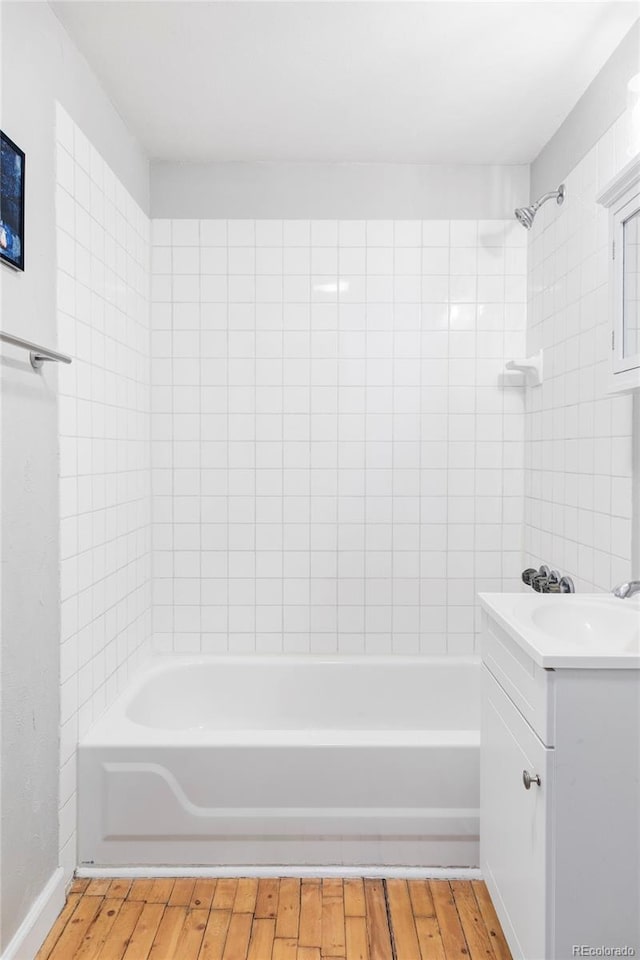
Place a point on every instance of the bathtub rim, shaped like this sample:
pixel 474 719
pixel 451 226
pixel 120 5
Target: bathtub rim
pixel 114 728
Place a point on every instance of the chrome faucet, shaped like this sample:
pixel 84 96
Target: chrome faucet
pixel 546 580
pixel 626 590
pixel 540 581
pixel 565 585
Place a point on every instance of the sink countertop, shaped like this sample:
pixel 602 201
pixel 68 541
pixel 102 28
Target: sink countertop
pixel 578 630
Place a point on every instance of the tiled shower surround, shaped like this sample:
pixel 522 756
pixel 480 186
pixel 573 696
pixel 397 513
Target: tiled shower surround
pixel 579 437
pixel 103 323
pixel 337 455
pixel 311 445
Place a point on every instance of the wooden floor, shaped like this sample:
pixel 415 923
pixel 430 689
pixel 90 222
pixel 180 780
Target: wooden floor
pixel 249 919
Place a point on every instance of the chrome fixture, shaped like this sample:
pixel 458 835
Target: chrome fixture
pixel 628 589
pixel 540 582
pixel 566 585
pixel 546 580
pixel 526 215
pixel 529 778
pixel 37 355
pixel 537 579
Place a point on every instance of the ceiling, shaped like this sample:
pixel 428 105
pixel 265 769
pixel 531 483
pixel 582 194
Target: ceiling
pixel 424 82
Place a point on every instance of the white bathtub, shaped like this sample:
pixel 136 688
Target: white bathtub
pixel 285 761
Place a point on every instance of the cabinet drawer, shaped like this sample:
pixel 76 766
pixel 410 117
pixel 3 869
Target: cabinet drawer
pixel 530 687
pixel 514 823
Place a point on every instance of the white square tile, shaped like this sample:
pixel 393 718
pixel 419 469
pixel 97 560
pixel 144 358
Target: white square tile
pixel 352 233
pixel 380 233
pixel 185 233
pixel 296 233
pixel 324 233
pixel 269 233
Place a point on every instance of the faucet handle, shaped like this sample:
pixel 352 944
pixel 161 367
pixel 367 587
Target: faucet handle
pixel 546 580
pixel 628 589
pixel 553 582
pixel 540 584
pixel 536 579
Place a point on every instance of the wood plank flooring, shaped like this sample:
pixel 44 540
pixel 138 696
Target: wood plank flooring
pixel 288 919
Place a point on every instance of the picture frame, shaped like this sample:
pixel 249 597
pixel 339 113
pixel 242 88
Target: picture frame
pixel 12 180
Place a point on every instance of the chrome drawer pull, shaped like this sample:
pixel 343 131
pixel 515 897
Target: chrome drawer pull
pixel 528 779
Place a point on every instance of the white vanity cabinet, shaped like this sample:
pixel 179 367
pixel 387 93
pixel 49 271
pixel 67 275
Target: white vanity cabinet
pixel 515 821
pixel 562 858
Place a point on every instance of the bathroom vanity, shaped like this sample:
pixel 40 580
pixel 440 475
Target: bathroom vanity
pixel 560 772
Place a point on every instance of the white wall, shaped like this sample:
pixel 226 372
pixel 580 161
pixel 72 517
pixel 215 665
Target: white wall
pixel 39 64
pixel 336 463
pixel 340 190
pixel 601 105
pixel 104 426
pixel 578 508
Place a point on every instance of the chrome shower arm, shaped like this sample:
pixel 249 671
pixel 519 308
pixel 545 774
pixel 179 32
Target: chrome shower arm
pixel 526 215
pixel 557 195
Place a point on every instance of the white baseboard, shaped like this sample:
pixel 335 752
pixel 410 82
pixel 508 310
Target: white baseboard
pixel 31 933
pixel 390 873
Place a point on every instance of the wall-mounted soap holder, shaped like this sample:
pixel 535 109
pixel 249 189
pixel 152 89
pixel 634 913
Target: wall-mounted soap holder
pixel 531 367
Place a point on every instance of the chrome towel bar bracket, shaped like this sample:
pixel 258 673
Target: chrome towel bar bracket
pixel 37 354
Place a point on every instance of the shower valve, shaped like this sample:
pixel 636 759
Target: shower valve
pixel 546 580
pixel 540 584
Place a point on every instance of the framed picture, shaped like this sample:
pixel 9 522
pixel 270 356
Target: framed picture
pixel 11 203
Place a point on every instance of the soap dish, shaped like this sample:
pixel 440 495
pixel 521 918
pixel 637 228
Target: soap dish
pixel 530 366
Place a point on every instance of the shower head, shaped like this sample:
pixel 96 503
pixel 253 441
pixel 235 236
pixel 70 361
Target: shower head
pixel 526 215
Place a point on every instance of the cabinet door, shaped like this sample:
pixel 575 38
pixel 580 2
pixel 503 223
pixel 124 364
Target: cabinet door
pixel 514 822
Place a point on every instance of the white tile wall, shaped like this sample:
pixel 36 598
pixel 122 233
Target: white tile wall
pixel 579 449
pixel 337 465
pixel 104 418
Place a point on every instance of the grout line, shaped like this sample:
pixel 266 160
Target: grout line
pixel 201 598
pixel 310 325
pixel 228 469
pixel 283 441
pixel 336 630
pixel 447 440
pixel 419 624
pixel 254 308
pixel 393 442
pixel 365 390
pixel 337 440
pixel 171 378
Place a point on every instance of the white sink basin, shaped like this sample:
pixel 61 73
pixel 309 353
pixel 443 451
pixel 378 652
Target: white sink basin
pixel 590 631
pixel 590 625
